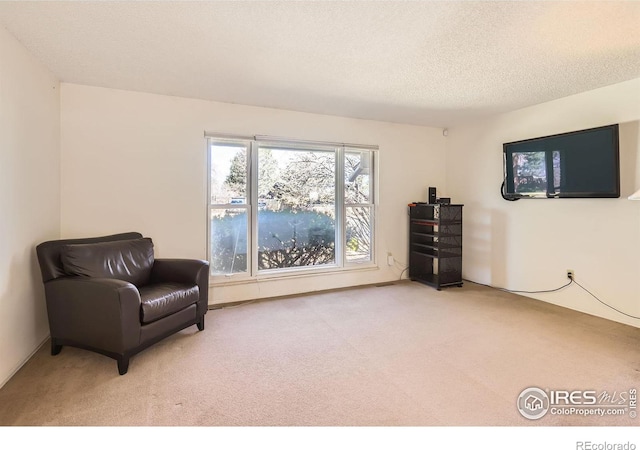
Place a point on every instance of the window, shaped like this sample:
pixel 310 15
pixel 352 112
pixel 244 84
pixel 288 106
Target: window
pixel 284 206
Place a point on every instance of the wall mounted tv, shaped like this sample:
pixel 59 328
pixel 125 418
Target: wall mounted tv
pixel 579 164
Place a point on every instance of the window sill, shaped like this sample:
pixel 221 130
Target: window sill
pixel 233 280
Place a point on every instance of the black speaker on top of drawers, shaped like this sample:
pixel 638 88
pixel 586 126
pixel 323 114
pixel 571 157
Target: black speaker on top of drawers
pixel 432 196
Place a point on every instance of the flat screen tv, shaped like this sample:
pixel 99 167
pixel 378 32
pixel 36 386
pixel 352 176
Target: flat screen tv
pixel 579 164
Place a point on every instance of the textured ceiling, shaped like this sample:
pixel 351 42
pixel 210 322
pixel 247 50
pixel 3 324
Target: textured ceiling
pixel 430 63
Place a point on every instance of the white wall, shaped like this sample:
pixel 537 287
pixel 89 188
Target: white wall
pixel 135 161
pixel 29 197
pixel 529 244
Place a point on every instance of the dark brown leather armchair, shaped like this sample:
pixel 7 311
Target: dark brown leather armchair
pixel 110 295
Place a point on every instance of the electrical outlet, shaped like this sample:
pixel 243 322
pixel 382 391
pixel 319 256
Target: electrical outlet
pixel 390 259
pixel 570 274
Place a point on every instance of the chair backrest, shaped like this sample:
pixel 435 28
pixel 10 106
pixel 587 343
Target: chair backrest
pixel 49 252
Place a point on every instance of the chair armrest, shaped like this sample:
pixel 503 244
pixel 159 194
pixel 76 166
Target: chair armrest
pixel 98 312
pixel 188 271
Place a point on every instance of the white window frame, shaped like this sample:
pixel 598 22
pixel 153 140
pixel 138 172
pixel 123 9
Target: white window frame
pixel 371 204
pixel 252 144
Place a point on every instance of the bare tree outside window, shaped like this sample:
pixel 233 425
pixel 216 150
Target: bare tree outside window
pixel 296 227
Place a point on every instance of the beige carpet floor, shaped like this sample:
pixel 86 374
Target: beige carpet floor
pixel 394 355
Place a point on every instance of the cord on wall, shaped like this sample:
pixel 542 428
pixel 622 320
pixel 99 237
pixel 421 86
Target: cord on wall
pixel 608 306
pixel 504 196
pixel 403 271
pixel 571 281
pixel 522 292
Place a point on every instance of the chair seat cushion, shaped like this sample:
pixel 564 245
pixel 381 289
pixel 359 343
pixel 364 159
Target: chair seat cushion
pixel 162 299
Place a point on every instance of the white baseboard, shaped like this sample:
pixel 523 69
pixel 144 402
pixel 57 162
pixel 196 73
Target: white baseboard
pixel 24 361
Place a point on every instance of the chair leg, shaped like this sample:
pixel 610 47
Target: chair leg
pixel 201 324
pixel 55 348
pixel 123 364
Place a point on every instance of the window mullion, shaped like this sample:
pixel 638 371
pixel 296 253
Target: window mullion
pixel 253 206
pixel 340 209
